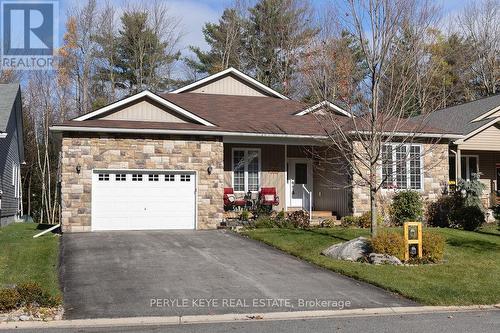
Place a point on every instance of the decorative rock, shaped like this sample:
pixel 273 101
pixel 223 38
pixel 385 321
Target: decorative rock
pixel 378 259
pixel 352 250
pixel 24 318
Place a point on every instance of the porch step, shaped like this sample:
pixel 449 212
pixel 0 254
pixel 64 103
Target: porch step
pixel 322 213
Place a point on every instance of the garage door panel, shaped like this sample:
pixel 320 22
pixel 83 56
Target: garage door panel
pixel 159 201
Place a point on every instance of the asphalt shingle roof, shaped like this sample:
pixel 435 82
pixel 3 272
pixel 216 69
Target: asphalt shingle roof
pixel 8 93
pixel 458 119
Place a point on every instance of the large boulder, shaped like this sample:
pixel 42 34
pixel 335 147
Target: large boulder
pixel 352 250
pixel 379 259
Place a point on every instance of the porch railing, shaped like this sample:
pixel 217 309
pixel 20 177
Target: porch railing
pixel 307 201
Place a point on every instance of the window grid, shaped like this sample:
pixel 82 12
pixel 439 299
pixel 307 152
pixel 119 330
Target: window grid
pixel 387 164
pixel 153 177
pixel 103 177
pixel 185 178
pixel 401 170
pixel 121 177
pixel 253 170
pixel 415 168
pixel 136 177
pixel 239 170
pixel 246 168
pixel 169 178
pixel 402 167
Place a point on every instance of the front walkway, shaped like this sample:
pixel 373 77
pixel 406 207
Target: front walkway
pixel 120 274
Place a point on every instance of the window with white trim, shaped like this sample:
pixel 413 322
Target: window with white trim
pixel 402 166
pixel 137 177
pixel 153 177
pixel 185 178
pixel 169 178
pixel 246 169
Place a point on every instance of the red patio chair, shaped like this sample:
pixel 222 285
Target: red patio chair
pixel 230 200
pixel 268 196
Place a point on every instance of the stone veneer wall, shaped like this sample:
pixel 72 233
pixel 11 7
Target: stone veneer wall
pixel 436 175
pixel 138 152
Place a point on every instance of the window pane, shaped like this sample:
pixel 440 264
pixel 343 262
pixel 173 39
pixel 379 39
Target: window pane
pixel 463 166
pixel 253 170
pixel 472 166
pixel 387 170
pixel 239 170
pixel 401 172
pixel 415 172
pixel 300 173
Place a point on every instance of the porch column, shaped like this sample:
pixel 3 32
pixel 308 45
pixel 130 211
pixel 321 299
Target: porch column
pixel 458 165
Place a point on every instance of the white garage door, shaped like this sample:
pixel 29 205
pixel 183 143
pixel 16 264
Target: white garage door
pixel 145 200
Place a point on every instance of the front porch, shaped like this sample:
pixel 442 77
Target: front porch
pixel 300 177
pixel 484 162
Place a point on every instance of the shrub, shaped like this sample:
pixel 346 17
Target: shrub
pixel 391 243
pixel 406 206
pixel 9 299
pixel 31 293
pixel 264 221
pixel 496 213
pixel 299 219
pixel 439 212
pixel 245 215
pixel 471 191
pixel 349 221
pixel 468 218
pixel 432 247
pixel 365 220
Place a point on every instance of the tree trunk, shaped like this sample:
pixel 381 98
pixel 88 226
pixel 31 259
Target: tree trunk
pixel 373 210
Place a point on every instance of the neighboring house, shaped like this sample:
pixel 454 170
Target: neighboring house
pixel 478 150
pixel 162 161
pixel 11 152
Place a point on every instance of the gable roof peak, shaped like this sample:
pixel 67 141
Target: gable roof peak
pixel 139 96
pixel 231 70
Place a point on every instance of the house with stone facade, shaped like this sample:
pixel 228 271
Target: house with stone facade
pixel 477 150
pixel 162 161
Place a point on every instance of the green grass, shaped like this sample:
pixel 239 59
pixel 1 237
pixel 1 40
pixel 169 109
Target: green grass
pixel 469 275
pixel 24 258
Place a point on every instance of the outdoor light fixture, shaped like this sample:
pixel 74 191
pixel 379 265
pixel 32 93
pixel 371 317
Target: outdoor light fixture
pixel 209 169
pixel 78 168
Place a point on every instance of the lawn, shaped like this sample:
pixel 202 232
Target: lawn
pixel 469 275
pixel 24 258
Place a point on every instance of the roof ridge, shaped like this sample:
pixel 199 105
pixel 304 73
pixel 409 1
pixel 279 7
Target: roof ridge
pixel 468 102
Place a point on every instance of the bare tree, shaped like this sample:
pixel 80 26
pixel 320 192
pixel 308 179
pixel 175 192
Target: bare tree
pixel 480 24
pixel 42 107
pixel 390 35
pixel 77 56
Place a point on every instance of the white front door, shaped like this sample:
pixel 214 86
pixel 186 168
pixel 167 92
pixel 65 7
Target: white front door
pixel 143 200
pixel 299 175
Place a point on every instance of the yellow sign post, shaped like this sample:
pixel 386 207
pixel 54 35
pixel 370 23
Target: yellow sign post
pixel 413 239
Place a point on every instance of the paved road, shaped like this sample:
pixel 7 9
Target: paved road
pixel 127 274
pixel 473 322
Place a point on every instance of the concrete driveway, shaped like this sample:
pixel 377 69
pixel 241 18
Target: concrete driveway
pixel 163 273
